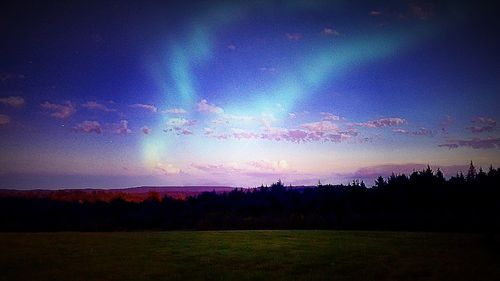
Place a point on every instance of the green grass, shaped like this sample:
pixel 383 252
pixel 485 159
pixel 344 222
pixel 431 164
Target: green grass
pixel 248 255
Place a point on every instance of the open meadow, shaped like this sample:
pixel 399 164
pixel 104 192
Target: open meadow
pixel 249 255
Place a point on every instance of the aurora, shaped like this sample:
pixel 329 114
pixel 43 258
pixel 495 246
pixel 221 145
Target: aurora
pixel 244 93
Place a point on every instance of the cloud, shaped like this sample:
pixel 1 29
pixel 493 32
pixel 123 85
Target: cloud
pixel 320 127
pixel 267 120
pixel 328 31
pixel 148 107
pixel 239 118
pixel 175 111
pixel 89 127
pixel 167 169
pixel 180 122
pixel 146 130
pixel 210 132
pixel 231 47
pixel 178 125
pixel 204 106
pixel 293 36
pixel 484 121
pixel 271 70
pixel 4 119
pixel 480 129
pixel 60 111
pixel 420 132
pixel 475 143
pixel 14 101
pixel 375 13
pixel 123 128
pixel 382 122
pixel 242 134
pixel 92 105
pixel 330 117
pixel 270 166
pixel 229 168
pixel 483 124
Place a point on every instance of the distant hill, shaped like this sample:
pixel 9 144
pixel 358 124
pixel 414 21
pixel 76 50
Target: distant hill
pixel 133 194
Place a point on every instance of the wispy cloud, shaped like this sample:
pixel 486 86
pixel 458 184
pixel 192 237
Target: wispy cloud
pixel 122 128
pixel 382 122
pixel 180 122
pixel 485 121
pixel 483 124
pixel 89 127
pixel 242 134
pixel 4 119
pixel 328 31
pixel 218 168
pixel 146 130
pixel 175 111
pixel 180 126
pixel 475 143
pixel 375 13
pixel 329 116
pixel 167 169
pixel 293 36
pixel 419 132
pixel 60 111
pixel 92 105
pixel 148 107
pixel 480 129
pixel 266 165
pixel 14 101
pixel 204 106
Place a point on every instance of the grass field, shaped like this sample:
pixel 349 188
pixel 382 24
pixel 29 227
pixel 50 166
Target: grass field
pixel 248 255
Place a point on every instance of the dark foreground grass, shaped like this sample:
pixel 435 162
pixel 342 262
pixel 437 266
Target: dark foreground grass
pixel 248 255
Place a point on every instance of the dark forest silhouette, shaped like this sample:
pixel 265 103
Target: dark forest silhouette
pixel 423 201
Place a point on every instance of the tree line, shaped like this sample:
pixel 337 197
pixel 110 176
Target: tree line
pixel 422 201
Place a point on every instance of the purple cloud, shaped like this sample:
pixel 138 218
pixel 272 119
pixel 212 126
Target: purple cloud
pixel 148 107
pixel 382 122
pixel 217 168
pixel 475 143
pixel 14 101
pixel 167 169
pixel 89 127
pixel 204 106
pixel 122 128
pixel 60 111
pixel 146 130
pixel 92 105
pixel 485 121
pixel 179 126
pixel 484 124
pixel 4 119
pixel 242 134
pixel 480 129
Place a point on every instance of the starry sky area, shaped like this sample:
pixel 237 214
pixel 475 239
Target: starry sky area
pixel 115 93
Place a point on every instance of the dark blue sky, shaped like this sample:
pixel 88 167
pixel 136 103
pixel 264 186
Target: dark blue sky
pixel 203 92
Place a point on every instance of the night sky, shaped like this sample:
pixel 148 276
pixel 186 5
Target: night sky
pixel 242 93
